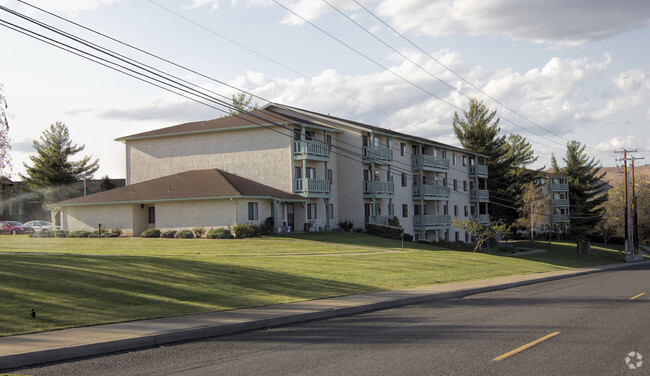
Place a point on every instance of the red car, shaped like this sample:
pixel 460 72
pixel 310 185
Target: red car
pixel 13 228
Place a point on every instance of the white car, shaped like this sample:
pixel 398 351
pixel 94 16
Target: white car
pixel 39 226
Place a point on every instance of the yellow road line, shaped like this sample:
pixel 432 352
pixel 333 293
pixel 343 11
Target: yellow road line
pixel 526 346
pixel 636 296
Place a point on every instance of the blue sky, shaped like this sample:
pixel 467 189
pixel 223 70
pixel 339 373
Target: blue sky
pixel 576 69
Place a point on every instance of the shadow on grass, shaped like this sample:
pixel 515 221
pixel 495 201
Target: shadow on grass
pixel 71 291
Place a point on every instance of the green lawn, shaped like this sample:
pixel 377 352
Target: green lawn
pixel 78 282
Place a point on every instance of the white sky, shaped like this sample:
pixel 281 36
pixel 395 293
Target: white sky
pixel 578 69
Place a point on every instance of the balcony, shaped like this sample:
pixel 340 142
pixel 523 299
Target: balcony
pixel 430 192
pixel 559 187
pixel 479 195
pixel 429 163
pixel 478 171
pixel 311 150
pixel 431 222
pixel 378 189
pixel 379 219
pixel 315 188
pixel 481 218
pixel 377 154
pixel 561 218
pixel 560 202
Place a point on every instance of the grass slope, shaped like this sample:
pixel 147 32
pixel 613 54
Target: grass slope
pixel 79 282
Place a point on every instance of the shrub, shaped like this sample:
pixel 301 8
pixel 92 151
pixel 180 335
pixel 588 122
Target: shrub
pixel 79 234
pixel 346 225
pixel 99 233
pixel 385 231
pixel 199 231
pixel 150 233
pixel 242 231
pixel 42 234
pixel 360 230
pixel 184 234
pixel 116 231
pixel 393 221
pixel 168 234
pixel 219 233
pixel 408 237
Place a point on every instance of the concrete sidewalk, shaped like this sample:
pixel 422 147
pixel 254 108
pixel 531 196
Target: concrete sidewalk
pixel 30 349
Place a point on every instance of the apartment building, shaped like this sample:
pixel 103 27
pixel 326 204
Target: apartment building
pixel 315 170
pixel 556 186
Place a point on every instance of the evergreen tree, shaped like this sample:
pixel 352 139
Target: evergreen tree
pixel 242 104
pixel 587 190
pixel 52 171
pixel 106 184
pixel 478 131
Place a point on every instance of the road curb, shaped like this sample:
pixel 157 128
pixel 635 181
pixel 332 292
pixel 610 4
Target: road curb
pixel 279 315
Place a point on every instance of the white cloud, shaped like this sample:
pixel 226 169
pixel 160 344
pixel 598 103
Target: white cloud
pixel 71 7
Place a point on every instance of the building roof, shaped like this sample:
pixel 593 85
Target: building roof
pixel 267 116
pixel 255 118
pixel 188 185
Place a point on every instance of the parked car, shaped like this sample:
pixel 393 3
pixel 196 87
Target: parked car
pixel 13 228
pixel 39 226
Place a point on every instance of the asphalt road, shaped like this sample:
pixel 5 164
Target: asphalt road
pixel 592 322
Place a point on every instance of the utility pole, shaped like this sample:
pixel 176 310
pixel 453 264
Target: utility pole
pixel 631 235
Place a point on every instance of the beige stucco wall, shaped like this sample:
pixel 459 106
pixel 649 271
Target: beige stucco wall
pixel 256 153
pixel 88 217
pixel 349 180
pixel 200 213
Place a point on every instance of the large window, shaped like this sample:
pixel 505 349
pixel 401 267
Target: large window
pixel 404 179
pixel 311 211
pixel 405 210
pixel 402 149
pixel 253 214
pixel 311 173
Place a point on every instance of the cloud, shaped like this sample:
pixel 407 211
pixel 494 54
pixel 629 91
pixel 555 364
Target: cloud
pixel 24 146
pixel 71 7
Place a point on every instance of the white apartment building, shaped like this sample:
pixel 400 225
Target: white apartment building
pixel 556 186
pixel 310 172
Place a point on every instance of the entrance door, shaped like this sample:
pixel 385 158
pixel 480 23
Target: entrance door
pixel 290 217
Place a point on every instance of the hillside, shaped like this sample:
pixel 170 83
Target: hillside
pixel 615 174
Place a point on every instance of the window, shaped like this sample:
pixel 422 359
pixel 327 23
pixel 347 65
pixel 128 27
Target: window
pixel 389 143
pixel 329 175
pixel 466 211
pixel 416 209
pixel 402 149
pixel 456 236
pixel 455 210
pixel 280 211
pixel 455 185
pixel 311 173
pixel 464 160
pixel 309 135
pixel 151 211
pixel 296 134
pixel 405 210
pixel 298 172
pixel 445 209
pixel 389 176
pixel 252 211
pixel 311 211
pixel 464 185
pixel 453 158
pixel 328 141
pixel 466 238
pixel 404 184
pixel 366 175
pixel 444 154
pixel 331 210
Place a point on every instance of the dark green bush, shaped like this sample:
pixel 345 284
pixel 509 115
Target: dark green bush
pixel 150 233
pixel 79 234
pixel 346 225
pixel 242 231
pixel 168 234
pixel 394 221
pixel 219 233
pixel 184 234
pixel 385 231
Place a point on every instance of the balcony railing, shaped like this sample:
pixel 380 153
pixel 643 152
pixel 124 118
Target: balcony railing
pixel 430 192
pixel 378 189
pixel 429 163
pixel 559 187
pixel 560 202
pixel 312 187
pixel 561 218
pixel 430 222
pixel 379 219
pixel 377 154
pixel 481 218
pixel 479 195
pixel 315 150
pixel 478 171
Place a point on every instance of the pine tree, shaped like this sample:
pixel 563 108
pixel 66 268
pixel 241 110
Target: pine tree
pixel 242 104
pixel 587 190
pixel 478 131
pixel 52 171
